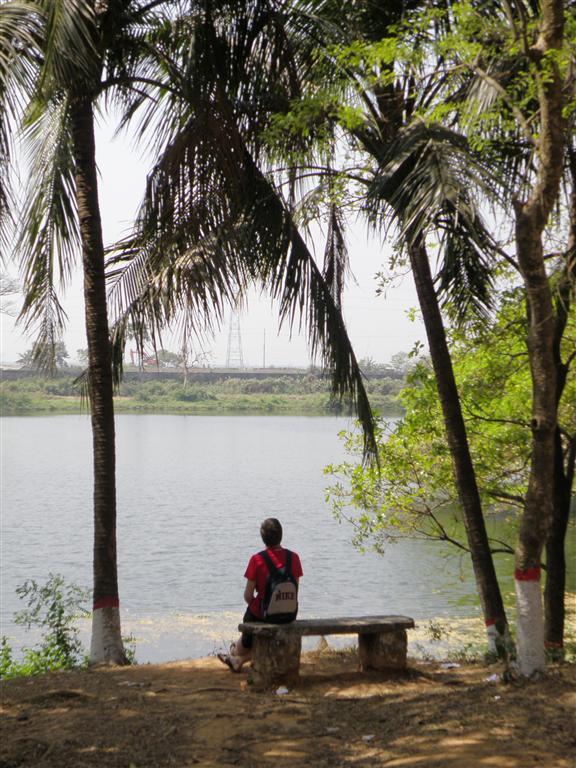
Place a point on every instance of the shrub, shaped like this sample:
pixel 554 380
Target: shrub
pixel 54 608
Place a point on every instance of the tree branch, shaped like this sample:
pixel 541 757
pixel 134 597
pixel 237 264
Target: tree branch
pixel 444 536
pixel 516 500
pixel 506 548
pixel 493 420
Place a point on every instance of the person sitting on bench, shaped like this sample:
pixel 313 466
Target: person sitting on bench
pixel 272 578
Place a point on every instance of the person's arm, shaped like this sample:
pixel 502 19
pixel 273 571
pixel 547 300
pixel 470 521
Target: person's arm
pixel 249 591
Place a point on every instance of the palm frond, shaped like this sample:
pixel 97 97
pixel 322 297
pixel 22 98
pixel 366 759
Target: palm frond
pixel 182 257
pixel 465 278
pixel 303 292
pixel 49 320
pixel 427 180
pixel 49 239
pixel 45 45
pixel 335 254
pixel 82 384
pixel 211 224
pixel 139 68
pixel 68 43
pixel 19 32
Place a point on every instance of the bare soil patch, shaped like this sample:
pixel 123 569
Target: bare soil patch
pixel 197 713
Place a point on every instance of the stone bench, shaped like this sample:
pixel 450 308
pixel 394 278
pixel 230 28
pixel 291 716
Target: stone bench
pixel 382 644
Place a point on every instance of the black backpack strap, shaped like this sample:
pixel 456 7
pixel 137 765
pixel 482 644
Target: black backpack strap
pixel 268 560
pixel 287 569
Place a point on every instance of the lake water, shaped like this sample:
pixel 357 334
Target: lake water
pixel 192 491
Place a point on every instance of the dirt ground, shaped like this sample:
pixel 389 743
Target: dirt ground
pixel 198 713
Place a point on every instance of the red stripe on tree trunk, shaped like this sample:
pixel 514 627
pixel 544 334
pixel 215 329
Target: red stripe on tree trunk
pixel 530 574
pixel 491 622
pixel 106 602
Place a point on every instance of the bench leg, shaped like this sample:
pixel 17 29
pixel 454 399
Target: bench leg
pixel 275 660
pixel 384 650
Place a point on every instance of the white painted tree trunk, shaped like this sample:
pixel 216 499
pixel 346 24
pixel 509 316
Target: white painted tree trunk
pixel 106 645
pixel 530 622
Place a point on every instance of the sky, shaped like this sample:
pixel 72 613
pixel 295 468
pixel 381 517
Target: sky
pixel 379 326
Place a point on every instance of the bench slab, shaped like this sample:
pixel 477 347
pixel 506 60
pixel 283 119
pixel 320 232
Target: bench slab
pixel 382 644
pixel 343 626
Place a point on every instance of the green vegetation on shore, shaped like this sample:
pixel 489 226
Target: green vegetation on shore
pixel 306 394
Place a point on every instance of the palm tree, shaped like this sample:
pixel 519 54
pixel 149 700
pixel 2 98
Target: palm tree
pixel 60 60
pixel 213 219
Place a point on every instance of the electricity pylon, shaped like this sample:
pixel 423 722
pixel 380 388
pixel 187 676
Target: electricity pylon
pixel 234 357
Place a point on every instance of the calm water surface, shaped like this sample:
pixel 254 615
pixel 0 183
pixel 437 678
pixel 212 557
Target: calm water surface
pixel 192 491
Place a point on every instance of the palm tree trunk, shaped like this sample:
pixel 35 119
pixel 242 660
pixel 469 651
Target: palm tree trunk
pixel 106 645
pixel 483 564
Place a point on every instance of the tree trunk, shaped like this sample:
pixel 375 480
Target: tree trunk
pixel 554 609
pixel 106 645
pixel 484 571
pixel 531 219
pixel 538 508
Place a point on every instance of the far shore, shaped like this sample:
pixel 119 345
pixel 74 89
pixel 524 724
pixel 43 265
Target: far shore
pixel 66 406
pixel 224 392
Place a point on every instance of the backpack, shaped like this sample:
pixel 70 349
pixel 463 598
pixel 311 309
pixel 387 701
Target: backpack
pixel 280 600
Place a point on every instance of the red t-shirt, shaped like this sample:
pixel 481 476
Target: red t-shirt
pixel 257 571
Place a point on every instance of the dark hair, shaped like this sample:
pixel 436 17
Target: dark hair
pixel 271 532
